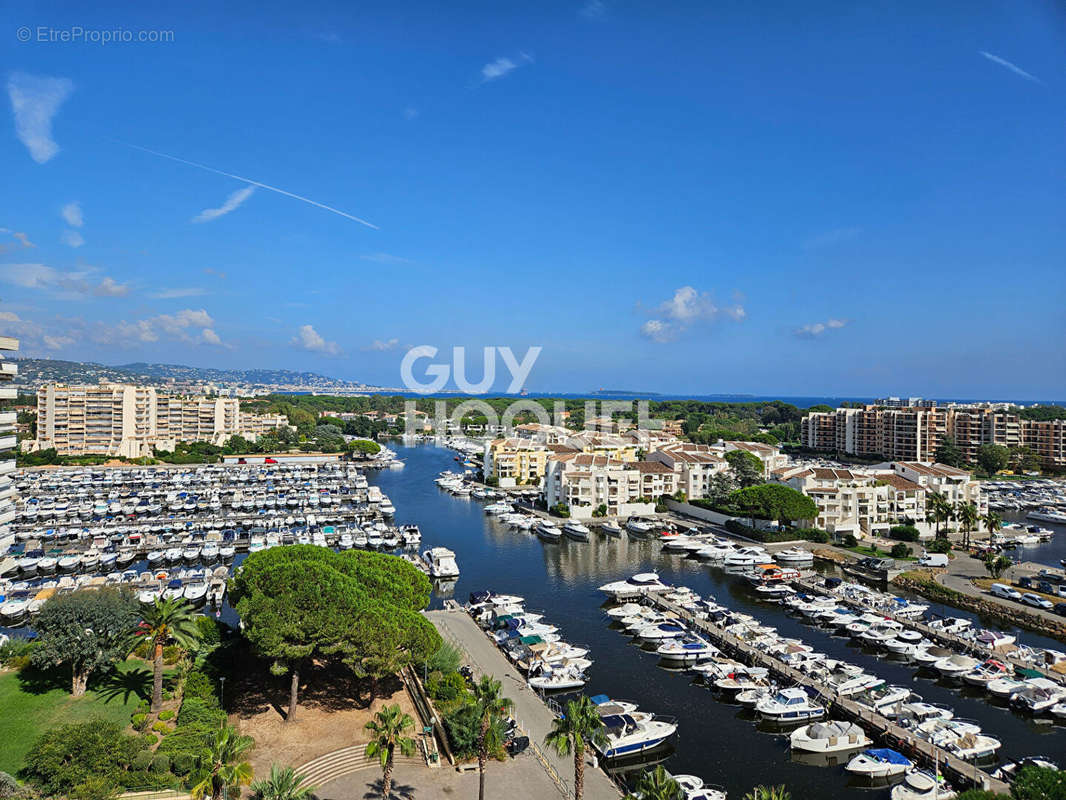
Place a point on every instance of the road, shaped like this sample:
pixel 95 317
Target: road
pixel 532 714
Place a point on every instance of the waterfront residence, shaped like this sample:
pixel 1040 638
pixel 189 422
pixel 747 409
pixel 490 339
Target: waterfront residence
pixel 693 464
pixel 514 461
pixel 130 421
pixel 8 421
pixel 770 456
pixel 586 481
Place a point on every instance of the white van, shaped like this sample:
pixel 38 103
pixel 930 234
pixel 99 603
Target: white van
pixel 1004 591
pixel 933 560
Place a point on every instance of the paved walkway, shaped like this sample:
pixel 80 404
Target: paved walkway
pixel 963 569
pixel 532 714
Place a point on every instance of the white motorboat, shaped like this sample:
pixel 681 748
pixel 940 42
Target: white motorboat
pixel 884 700
pixel 576 531
pixel 638 585
pixel 14 610
pixel 829 737
pixel 441 562
pixel 548 532
pixel 1039 695
pixel 639 527
pixel 611 528
pixel 660 632
pixel 879 763
pixel 921 784
pixel 47 565
pixel 155 556
pixel 173 555
pixel 789 705
pixel 1004 687
pixel 628 735
pixel 196 592
pixel 553 679
pixel 985 673
pixel 686 650
pixel 955 665
pixel 210 553
pixel 227 552
pixel 794 556
pixel 747 557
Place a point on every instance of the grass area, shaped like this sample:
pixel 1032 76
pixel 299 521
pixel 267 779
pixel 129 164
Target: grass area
pixel 33 701
pixel 877 552
pixel 986 583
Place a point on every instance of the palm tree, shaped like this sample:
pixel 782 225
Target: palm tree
pixel 387 729
pixel 166 620
pixel 579 724
pixel 492 708
pixel 993 522
pixel 656 784
pixel 768 793
pixel 221 768
pixel 968 517
pixel 284 783
pixel 939 509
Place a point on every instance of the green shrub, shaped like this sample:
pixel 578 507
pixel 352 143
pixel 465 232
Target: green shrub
pixel 9 787
pixel 143 759
pixel 144 650
pixel 172 654
pixel 903 533
pixel 447 658
pixel 147 739
pixel 210 630
pixel 166 714
pixel 182 764
pixel 850 540
pixel 15 652
pixel 462 726
pixel 161 727
pixel 900 550
pixel 143 707
pixel 66 756
pixel 446 688
pixel 96 787
pixel 160 763
pixel 198 713
pixel 198 685
pixel 939 546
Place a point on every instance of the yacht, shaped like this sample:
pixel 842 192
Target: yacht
pixel 955 666
pixel 686 650
pixel 794 556
pixel 576 531
pixel 627 734
pixel 550 533
pixel 639 585
pixel 747 557
pixel 879 763
pixel 552 679
pixel 789 705
pixel 984 674
pixel 920 784
pixel 441 562
pixel 829 737
pixel 611 528
pixel 1039 695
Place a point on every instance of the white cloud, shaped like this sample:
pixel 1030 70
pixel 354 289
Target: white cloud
pixel 72 238
pixel 686 308
pixel 57 342
pixel 210 337
pixel 813 330
pixel 109 287
pixel 22 238
pixel 658 331
pixel 35 101
pixel 9 316
pixel 307 338
pixel 172 294
pixel 382 345
pixel 232 203
pixel 502 67
pixel 71 212
pixel 176 324
pixel 1012 67
pixel 217 273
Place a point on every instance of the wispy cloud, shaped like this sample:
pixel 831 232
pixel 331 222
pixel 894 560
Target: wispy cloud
pixel 74 284
pixel 249 181
pixel 217 273
pixel 208 336
pixel 72 238
pixel 686 308
pixel 410 113
pixel 35 101
pixel 171 294
pixel 189 326
pixel 593 9
pixel 385 258
pixel 307 338
pixel 813 330
pixel 382 345
pixel 233 202
pixel 19 236
pixel 832 237
pixel 503 66
pixel 1012 67
pixel 71 213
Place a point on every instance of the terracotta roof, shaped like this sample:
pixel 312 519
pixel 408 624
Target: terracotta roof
pixel 825 474
pixel 652 467
pixel 899 482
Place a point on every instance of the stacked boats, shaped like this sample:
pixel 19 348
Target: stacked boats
pixel 533 645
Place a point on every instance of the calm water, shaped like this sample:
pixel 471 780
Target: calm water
pixel 1050 553
pixel 717 741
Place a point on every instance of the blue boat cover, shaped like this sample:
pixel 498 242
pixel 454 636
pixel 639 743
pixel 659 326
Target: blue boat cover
pixel 599 699
pixel 889 756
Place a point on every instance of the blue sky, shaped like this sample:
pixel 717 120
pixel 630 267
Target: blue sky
pixel 686 198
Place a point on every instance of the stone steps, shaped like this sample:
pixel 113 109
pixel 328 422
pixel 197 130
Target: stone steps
pixel 345 761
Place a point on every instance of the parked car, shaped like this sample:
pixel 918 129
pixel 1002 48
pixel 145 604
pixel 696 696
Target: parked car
pixel 1025 582
pixel 933 560
pixel 1060 609
pixel 1045 587
pixel 1036 601
pixel 1004 591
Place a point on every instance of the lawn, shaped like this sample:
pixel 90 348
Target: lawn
pixel 879 552
pixel 33 701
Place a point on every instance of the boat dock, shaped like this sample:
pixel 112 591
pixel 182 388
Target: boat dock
pixel 530 711
pixel 943 638
pixel 875 724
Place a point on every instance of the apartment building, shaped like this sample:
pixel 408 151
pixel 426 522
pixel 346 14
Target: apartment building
pixel 693 464
pixel 131 421
pixel 514 461
pixel 770 456
pixel 8 440
pixel 586 481
pixel 956 485
pixel 915 433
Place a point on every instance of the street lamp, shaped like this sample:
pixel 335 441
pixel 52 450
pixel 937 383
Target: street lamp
pixel 222 692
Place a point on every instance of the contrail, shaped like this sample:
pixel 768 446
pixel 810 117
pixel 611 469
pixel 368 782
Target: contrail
pixel 307 200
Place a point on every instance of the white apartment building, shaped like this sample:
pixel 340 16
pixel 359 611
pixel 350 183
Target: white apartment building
pixel 693 464
pixel 8 439
pixel 957 485
pixel 131 421
pixel 770 456
pixel 585 481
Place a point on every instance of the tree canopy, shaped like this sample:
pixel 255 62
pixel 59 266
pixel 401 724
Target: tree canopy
pixel 992 458
pixel 774 501
pixel 86 630
pixel 302 603
pixel 949 453
pixel 67 756
pixel 747 468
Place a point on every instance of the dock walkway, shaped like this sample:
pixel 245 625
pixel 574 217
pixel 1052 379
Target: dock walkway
pixel 531 712
pixel 877 725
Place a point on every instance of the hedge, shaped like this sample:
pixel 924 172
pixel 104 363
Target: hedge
pixel 772 537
